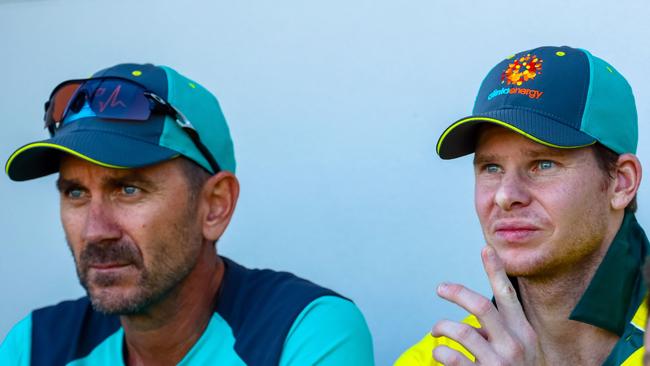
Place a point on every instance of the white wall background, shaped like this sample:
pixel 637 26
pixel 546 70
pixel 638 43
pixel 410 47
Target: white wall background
pixel 334 107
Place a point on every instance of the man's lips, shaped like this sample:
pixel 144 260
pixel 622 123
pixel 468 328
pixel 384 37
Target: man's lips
pixel 108 266
pixel 515 231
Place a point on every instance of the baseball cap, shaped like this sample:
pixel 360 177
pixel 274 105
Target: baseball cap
pixel 561 97
pixel 134 143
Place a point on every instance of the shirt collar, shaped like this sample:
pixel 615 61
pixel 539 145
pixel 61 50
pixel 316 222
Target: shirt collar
pixel 617 288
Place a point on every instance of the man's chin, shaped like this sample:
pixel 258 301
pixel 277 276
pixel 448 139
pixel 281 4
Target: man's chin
pixel 523 266
pixel 112 276
pixel 520 261
pixel 519 271
pixel 116 302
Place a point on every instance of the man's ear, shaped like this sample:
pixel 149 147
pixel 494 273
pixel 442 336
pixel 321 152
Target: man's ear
pixel 627 179
pixel 218 201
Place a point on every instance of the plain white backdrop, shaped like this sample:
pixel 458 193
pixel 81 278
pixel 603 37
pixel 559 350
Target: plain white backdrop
pixel 334 107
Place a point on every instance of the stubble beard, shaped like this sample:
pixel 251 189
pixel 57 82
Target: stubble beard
pixel 154 282
pixel 578 253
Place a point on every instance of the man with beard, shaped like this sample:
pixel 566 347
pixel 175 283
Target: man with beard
pixel 554 133
pixel 147 187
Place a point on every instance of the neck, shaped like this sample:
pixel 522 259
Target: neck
pixel 548 302
pixel 168 330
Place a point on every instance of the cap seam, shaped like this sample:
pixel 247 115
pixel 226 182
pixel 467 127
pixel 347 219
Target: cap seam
pixel 586 98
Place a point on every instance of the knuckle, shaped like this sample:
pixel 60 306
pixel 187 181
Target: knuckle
pixel 445 355
pixel 443 328
pixel 508 291
pixel 454 290
pixel 530 336
pixel 527 337
pixel 465 332
pixel 483 307
pixel 515 350
pixel 452 359
pixel 437 328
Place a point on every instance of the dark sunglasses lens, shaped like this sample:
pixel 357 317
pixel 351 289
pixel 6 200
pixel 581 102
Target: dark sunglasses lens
pixel 108 98
pixel 118 99
pixel 59 102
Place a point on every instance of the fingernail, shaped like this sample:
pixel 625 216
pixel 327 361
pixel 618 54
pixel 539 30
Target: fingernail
pixel 442 287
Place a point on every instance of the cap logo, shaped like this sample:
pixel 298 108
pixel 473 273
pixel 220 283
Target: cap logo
pixel 521 70
pixel 112 100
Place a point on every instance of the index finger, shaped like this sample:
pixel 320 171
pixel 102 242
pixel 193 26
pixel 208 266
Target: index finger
pixel 492 323
pixel 503 290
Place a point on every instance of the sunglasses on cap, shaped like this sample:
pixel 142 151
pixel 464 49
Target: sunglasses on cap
pixel 114 98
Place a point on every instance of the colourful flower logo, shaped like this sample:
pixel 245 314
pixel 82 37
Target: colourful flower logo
pixel 522 69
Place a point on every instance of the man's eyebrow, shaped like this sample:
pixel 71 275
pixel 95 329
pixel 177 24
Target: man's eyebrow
pixel 63 184
pixel 545 152
pixel 131 176
pixel 484 158
pixel 548 152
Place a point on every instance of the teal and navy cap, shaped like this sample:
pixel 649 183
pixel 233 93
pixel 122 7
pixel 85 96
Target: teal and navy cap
pixel 561 97
pixel 132 144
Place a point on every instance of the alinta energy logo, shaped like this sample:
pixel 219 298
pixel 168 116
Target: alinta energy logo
pixel 519 71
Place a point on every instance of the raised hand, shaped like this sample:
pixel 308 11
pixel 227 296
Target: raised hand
pixel 505 337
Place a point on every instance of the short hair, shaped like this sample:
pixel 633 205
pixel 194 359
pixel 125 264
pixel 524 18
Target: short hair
pixel 195 176
pixel 607 160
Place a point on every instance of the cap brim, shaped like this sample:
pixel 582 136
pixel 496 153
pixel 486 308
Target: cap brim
pixel 460 138
pixel 103 148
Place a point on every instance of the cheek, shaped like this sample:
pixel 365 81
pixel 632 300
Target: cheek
pixel 568 199
pixel 141 228
pixel 575 209
pixel 72 223
pixel 154 230
pixel 483 201
pixel 558 200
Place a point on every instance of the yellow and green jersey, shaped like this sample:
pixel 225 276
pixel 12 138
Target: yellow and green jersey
pixel 614 301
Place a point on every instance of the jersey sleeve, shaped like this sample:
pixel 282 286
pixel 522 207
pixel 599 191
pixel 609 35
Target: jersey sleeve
pixel 15 350
pixel 330 331
pixel 421 354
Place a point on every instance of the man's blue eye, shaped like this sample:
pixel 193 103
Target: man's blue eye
pixel 545 164
pixel 75 193
pixel 129 190
pixel 492 168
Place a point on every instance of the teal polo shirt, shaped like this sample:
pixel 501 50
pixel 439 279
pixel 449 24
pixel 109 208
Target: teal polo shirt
pixel 262 317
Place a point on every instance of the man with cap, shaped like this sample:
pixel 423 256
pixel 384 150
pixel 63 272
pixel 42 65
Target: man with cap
pixel 147 187
pixel 554 133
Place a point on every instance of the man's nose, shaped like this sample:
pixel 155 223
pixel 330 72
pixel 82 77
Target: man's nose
pixel 512 192
pixel 101 223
